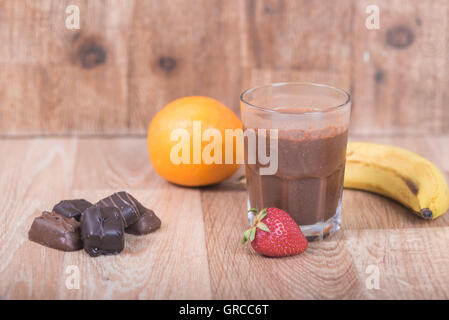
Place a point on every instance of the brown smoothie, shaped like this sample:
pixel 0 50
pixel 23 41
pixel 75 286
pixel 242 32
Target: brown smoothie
pixel 309 179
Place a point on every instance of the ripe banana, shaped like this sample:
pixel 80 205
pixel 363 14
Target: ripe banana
pixel 398 174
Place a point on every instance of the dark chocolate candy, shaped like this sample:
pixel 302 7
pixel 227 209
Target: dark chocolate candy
pixel 148 222
pixel 56 231
pixel 125 203
pixel 102 230
pixel 72 208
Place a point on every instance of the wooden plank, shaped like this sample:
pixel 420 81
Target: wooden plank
pixel 325 270
pixel 197 252
pixel 412 263
pixel 36 174
pixel 400 74
pixel 130 58
pixel 127 159
pixel 298 35
pixel 182 48
pixel 298 41
pixel 56 80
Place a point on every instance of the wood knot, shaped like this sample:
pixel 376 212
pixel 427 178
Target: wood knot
pixel 92 55
pixel 89 52
pixel 400 37
pixel 76 36
pixel 379 76
pixel 167 63
pixel 269 10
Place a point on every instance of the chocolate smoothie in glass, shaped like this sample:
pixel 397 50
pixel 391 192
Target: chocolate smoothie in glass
pixel 310 124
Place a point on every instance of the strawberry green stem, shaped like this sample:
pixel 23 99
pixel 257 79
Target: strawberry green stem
pixel 250 233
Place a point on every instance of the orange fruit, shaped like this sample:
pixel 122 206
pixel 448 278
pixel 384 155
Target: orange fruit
pixel 182 116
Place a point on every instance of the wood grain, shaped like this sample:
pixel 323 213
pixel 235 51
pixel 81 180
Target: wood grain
pixel 182 48
pixel 412 262
pixel 298 41
pixel 325 270
pixel 197 252
pixel 132 57
pixel 127 159
pixel 61 81
pixel 399 74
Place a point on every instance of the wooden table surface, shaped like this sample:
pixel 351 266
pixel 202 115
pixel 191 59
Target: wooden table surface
pixel 197 252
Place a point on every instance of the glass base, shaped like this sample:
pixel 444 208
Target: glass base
pixel 317 231
pixel 321 230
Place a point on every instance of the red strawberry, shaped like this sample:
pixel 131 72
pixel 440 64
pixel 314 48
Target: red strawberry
pixel 275 234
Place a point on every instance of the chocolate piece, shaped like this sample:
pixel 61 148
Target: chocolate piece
pixel 126 205
pixel 56 231
pixel 102 230
pixel 72 208
pixel 148 222
pixel 138 219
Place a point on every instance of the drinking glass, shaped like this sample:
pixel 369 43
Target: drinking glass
pixel 296 161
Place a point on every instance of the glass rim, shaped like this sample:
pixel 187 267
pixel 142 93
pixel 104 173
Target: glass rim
pixel 311 84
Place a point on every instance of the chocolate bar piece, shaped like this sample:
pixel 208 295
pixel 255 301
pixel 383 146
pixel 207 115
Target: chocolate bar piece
pixel 56 231
pixel 102 230
pixel 138 219
pixel 125 203
pixel 72 208
pixel 148 222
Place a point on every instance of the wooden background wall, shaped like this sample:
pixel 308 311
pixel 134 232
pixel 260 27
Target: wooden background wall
pixel 130 58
